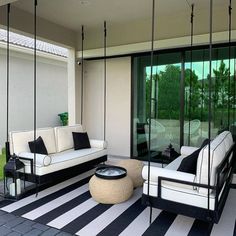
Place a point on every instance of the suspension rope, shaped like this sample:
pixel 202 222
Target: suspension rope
pixel 234 97
pixel 150 106
pixel 191 73
pixel 202 88
pixel 82 73
pixel 35 81
pixel 209 103
pixel 230 11
pixel 105 75
pixel 8 82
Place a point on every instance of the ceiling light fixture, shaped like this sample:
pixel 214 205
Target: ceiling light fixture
pixel 85 2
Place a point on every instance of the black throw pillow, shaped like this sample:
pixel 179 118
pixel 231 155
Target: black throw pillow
pixel 81 140
pixel 189 163
pixel 38 146
pixel 205 142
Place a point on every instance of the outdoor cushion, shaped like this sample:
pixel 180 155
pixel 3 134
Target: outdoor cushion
pixel 189 163
pixel 64 136
pixel 101 144
pixel 72 154
pixel 218 148
pixel 68 159
pixel 81 140
pixel 179 194
pixel 41 159
pixel 20 140
pixel 38 146
pixel 155 172
pixel 186 150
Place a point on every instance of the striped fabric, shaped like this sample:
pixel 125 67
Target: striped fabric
pixel 68 206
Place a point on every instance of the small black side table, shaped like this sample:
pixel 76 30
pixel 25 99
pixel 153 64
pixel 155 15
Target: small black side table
pixel 11 170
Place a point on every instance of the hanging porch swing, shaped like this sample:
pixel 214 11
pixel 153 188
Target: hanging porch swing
pixel 200 193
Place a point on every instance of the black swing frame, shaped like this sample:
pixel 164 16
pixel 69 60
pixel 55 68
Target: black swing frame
pixel 63 174
pixel 224 174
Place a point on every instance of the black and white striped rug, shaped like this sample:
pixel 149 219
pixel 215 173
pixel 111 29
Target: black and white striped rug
pixel 68 206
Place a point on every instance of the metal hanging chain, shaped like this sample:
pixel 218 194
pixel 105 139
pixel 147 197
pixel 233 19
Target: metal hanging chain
pixel 150 106
pixel 8 82
pixel 105 75
pixel 230 19
pixel 234 97
pixel 191 73
pixel 35 80
pixel 209 104
pixel 202 88
pixel 82 73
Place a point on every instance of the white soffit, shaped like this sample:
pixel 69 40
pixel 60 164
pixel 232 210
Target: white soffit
pixel 5 2
pixel 219 37
pixel 74 13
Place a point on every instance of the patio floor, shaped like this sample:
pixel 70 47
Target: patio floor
pixel 68 209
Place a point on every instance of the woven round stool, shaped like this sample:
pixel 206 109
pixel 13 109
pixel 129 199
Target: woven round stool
pixel 111 191
pixel 134 170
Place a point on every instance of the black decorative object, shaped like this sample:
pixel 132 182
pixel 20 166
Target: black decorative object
pixel 12 170
pixel 110 172
pixel 170 153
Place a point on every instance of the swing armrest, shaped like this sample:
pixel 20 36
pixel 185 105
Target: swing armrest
pixel 156 172
pixel 40 159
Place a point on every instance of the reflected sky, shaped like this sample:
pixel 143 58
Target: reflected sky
pixel 199 67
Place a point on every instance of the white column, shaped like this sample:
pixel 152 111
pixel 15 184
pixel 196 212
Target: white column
pixel 71 87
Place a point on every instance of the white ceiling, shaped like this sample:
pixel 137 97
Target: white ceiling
pixel 72 13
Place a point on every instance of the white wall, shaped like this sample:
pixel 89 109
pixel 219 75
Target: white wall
pixel 51 92
pixel 93 99
pixel 118 103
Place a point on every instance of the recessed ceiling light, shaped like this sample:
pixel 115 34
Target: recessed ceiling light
pixel 84 2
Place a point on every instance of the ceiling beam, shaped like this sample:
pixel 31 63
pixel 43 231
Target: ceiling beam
pixel 5 2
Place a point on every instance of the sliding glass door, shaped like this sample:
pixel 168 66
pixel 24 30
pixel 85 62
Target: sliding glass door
pixel 177 111
pixel 164 125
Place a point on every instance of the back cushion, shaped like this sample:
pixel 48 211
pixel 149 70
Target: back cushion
pixel 64 138
pixel 48 137
pixel 19 140
pixel 218 148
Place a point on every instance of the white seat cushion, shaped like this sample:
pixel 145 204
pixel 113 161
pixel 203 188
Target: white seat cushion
pixel 64 138
pixel 72 154
pixel 181 195
pixel 68 159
